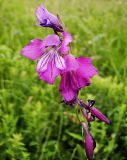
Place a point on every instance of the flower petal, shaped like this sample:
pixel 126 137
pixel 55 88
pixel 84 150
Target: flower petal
pixel 51 40
pixel 71 63
pixel 51 71
pixel 69 96
pixel 83 81
pixel 60 63
pixel 73 77
pixel 67 38
pixel 53 19
pixel 33 50
pixel 66 88
pixel 78 79
pixel 86 67
pixel 99 115
pixel 43 62
pixel 41 13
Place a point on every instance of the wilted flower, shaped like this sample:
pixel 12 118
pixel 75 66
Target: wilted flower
pixel 47 19
pixel 92 112
pixel 75 76
pixel 89 142
pixel 95 112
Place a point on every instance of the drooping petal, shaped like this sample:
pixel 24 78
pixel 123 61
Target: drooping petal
pixel 50 74
pixel 33 50
pixel 47 19
pixel 90 143
pixel 67 38
pixel 71 79
pixel 99 115
pixel 69 96
pixel 51 40
pixel 66 87
pixel 86 68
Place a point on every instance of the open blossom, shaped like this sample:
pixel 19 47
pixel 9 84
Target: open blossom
pixel 47 19
pixel 75 76
pixel 50 63
pixel 47 52
pixel 89 142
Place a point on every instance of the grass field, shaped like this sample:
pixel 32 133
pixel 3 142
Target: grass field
pixel 34 125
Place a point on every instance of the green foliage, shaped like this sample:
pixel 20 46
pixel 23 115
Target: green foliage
pixel 34 125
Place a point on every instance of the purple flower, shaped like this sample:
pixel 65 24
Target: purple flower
pixel 76 76
pixel 89 142
pixel 47 19
pixel 47 51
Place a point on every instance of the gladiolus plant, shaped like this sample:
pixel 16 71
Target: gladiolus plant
pixel 54 58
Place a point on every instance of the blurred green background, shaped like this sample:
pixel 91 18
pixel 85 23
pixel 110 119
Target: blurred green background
pixel 34 125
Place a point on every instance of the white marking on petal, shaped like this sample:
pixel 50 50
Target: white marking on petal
pixel 60 63
pixel 43 62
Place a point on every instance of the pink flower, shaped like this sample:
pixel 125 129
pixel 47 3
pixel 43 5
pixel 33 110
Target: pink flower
pixel 50 62
pixel 89 142
pixel 75 76
pixel 47 19
pixel 47 52
pixel 50 65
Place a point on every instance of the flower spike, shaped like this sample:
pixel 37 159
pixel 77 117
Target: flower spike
pixel 54 58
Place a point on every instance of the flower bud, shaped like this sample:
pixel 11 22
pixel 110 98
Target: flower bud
pixel 99 115
pixel 89 143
